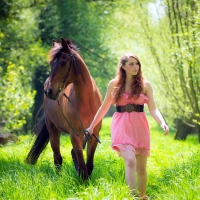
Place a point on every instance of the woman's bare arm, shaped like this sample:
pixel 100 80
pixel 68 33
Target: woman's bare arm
pixel 103 108
pixel 154 111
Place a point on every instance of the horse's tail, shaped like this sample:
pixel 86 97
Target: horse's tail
pixel 42 139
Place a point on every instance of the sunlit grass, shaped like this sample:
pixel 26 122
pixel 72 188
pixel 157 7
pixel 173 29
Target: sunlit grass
pixel 173 170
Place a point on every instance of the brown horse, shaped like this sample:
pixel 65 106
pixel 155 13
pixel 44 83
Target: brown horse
pixel 70 102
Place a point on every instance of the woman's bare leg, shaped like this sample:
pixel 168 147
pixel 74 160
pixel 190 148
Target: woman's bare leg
pixel 130 168
pixel 142 174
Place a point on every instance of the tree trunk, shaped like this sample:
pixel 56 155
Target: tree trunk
pixel 183 130
pixel 7 137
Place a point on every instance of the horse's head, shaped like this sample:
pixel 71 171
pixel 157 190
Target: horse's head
pixel 64 68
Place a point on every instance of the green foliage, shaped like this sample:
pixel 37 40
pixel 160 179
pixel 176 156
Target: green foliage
pixel 85 23
pixel 164 34
pixel 20 44
pixel 173 171
pixel 173 44
pixel 16 98
pixel 185 57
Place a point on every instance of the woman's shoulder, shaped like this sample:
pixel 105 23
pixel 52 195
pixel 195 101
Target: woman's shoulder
pixel 113 80
pixel 147 85
pixel 145 81
pixel 110 87
pixel 111 83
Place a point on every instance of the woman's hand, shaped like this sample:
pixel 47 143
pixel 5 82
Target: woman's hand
pixel 89 130
pixel 165 128
pixel 88 136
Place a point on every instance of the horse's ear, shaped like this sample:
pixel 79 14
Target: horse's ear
pixel 54 43
pixel 65 45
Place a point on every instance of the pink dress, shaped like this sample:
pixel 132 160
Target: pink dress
pixel 130 131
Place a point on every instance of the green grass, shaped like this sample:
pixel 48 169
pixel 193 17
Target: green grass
pixel 173 171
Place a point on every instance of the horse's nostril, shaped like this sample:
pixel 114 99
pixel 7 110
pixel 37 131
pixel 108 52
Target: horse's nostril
pixel 48 92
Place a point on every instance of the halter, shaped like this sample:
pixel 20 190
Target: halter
pixel 72 62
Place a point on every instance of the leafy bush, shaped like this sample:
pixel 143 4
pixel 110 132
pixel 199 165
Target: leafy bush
pixel 16 98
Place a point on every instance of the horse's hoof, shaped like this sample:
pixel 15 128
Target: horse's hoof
pixel 83 175
pixel 58 167
pixel 90 169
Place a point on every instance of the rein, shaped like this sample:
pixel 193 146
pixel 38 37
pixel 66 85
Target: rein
pixel 87 135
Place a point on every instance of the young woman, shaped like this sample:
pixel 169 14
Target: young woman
pixel 129 91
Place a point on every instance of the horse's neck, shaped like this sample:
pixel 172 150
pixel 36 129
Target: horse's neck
pixel 83 84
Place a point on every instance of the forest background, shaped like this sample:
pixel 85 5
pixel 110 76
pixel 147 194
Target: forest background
pixel 165 34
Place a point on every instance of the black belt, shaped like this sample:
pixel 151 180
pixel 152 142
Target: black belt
pixel 130 108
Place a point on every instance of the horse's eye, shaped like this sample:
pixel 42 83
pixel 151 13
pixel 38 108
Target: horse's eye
pixel 63 63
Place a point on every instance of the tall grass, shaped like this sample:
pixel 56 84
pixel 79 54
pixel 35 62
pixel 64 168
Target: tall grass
pixel 173 171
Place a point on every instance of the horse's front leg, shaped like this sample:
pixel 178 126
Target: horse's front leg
pixel 91 147
pixel 77 156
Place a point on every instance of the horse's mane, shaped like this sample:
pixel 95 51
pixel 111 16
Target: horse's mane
pixel 57 49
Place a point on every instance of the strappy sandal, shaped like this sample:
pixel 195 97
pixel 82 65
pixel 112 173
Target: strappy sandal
pixel 137 197
pixel 145 198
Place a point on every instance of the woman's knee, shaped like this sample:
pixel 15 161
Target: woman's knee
pixel 129 158
pixel 130 162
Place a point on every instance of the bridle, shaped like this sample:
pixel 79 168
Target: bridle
pixel 72 63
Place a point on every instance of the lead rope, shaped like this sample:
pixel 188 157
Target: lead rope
pixel 86 133
pixel 74 131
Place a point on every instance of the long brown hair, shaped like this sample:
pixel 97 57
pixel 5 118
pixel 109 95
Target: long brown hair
pixel 137 84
